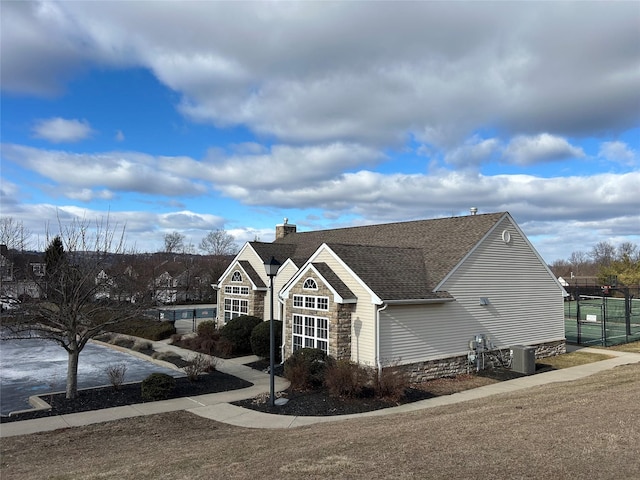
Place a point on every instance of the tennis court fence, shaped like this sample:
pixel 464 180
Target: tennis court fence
pixel 595 317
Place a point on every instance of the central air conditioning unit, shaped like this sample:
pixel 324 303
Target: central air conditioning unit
pixel 523 359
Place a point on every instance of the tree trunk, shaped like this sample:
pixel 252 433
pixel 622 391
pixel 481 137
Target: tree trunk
pixel 72 371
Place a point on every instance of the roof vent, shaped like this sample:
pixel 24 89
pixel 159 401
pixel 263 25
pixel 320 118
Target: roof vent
pixel 473 210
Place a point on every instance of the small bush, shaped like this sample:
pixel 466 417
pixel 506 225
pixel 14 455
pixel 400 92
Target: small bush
pixel 261 339
pixel 198 365
pixel 175 339
pixel 157 386
pixel 141 345
pixel 145 328
pixel 391 383
pixel 238 332
pixel 305 369
pixel 346 379
pixel 116 375
pixel 122 342
pixel 208 329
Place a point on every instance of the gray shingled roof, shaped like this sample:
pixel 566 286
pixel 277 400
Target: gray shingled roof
pixel 415 256
pixel 335 281
pixel 253 275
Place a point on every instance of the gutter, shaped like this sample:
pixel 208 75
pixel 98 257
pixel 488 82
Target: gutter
pixel 418 301
pixel 378 362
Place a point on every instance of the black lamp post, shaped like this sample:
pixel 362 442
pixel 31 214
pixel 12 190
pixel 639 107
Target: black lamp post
pixel 271 267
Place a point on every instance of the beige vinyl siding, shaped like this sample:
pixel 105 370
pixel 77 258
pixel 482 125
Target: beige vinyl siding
pixel 526 305
pixel 363 318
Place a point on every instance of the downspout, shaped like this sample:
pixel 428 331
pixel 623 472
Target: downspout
pixel 378 362
pixel 281 301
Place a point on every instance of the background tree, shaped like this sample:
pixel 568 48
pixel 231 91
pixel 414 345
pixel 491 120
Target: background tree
pixel 219 242
pixel 174 242
pixel 71 308
pixel 13 234
pixel 603 253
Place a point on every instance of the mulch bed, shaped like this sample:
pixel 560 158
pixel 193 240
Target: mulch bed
pixel 321 403
pixel 129 394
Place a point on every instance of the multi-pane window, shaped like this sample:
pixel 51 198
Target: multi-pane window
pixel 310 284
pixel 236 290
pixel 234 307
pixel 311 302
pixel 236 277
pixel 310 332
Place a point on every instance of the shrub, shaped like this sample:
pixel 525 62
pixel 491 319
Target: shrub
pixel 145 328
pixel 346 379
pixel 261 339
pixel 208 329
pixel 141 345
pixel 122 341
pixel 116 375
pixel 157 386
pixel 391 383
pixel 305 368
pixel 238 332
pixel 175 338
pixel 198 365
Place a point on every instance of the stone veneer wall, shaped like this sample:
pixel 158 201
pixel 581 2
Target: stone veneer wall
pixel 447 367
pixel 339 316
pixel 255 298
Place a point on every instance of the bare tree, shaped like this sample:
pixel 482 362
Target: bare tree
pixel 72 306
pixel 174 242
pixel 219 242
pixel 603 253
pixel 13 234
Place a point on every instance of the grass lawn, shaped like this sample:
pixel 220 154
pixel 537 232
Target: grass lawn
pixel 572 359
pixel 633 347
pixel 588 428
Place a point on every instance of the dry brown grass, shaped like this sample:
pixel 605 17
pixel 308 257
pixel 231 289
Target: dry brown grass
pixel 633 347
pixel 584 429
pixel 573 359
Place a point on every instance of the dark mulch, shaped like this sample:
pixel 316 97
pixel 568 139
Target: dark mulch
pixel 107 397
pixel 321 403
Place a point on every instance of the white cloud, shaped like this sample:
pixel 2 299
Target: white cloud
pixel 116 171
pixel 352 72
pixel 618 152
pixel 60 130
pixel 523 150
pixel 474 152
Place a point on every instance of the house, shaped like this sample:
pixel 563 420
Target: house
pixel 410 294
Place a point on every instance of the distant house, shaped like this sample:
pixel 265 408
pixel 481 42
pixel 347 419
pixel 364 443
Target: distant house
pixel 411 294
pixel 20 275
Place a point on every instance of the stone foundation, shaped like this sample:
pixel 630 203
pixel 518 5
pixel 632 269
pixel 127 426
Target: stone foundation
pixel 448 367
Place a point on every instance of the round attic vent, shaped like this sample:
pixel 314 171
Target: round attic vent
pixel 506 236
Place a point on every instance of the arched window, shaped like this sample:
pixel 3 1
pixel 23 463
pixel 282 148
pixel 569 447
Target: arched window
pixel 310 284
pixel 236 277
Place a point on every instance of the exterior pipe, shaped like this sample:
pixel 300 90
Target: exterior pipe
pixel 378 362
pixel 281 301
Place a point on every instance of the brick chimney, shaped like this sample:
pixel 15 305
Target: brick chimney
pixel 284 229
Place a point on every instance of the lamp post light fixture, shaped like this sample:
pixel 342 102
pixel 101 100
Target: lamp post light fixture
pixel 271 267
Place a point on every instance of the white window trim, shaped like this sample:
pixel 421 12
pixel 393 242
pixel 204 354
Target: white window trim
pixel 234 274
pixel 315 287
pixel 315 340
pixel 314 298
pixel 236 290
pixel 235 312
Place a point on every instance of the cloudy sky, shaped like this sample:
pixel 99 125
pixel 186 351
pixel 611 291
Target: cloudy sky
pixel 194 116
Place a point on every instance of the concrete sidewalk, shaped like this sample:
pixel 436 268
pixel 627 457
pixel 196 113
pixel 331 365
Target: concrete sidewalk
pixel 216 406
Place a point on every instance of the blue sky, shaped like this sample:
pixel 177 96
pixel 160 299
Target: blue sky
pixel 195 116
